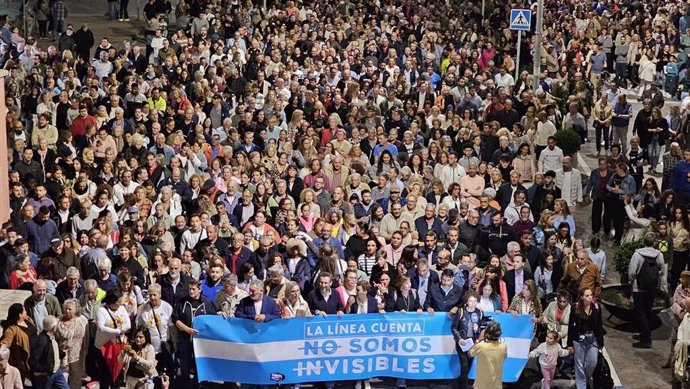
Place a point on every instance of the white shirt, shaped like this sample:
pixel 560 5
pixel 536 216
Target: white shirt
pixel 451 174
pixel 157 324
pixel 258 305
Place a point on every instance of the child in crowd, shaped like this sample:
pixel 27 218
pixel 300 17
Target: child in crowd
pixel 548 353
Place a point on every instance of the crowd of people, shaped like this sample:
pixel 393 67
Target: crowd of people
pixel 335 157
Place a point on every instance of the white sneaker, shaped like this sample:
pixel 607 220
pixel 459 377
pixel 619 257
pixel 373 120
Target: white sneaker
pixel 367 385
pixel 358 385
pixel 126 19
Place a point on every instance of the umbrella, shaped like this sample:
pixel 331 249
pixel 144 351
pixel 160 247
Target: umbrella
pixel 111 353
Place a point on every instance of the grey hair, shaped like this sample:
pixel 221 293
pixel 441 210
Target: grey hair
pixel 513 244
pixel 49 323
pixel 258 284
pixel 75 303
pixel 230 279
pixel 4 353
pixel 265 239
pixel 90 283
pixel 105 263
pixel 275 269
pixel 155 288
pixel 72 271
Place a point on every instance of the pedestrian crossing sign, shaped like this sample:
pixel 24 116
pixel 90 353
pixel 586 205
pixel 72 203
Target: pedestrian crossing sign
pixel 520 19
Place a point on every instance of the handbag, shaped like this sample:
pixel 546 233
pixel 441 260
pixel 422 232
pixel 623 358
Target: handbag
pixel 602 373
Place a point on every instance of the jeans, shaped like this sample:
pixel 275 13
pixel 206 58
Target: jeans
pixel 653 150
pixel 586 351
pixel 599 130
pixel 55 380
pixel 619 136
pixel 621 73
pixel 58 28
pixel 643 307
pixel 112 10
pixel 465 365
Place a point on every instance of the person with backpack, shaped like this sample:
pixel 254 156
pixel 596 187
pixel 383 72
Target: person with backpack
pixel 643 273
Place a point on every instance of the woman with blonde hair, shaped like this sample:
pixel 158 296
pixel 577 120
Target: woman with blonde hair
pixel 562 214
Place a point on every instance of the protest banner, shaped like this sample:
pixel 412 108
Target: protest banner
pixel 352 347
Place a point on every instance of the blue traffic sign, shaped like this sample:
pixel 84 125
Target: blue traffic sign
pixel 520 19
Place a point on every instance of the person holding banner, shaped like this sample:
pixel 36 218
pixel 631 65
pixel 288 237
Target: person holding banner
pixel 294 305
pixel 465 330
pixel 444 297
pixel 490 353
pixel 185 311
pixel 257 306
pixel 322 301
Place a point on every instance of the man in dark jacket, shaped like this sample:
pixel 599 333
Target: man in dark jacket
pixel 363 302
pixel 174 285
pixel 515 278
pixel 444 297
pixel 247 307
pixel 45 369
pixel 186 309
pixel 324 301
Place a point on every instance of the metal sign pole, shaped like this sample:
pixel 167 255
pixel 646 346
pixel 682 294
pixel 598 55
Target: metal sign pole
pixel 517 59
pixel 537 45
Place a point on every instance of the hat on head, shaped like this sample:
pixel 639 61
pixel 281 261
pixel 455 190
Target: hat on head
pixel 292 242
pixel 55 241
pixel 132 210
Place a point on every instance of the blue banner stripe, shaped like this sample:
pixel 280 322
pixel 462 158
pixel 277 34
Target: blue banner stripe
pixel 345 369
pixel 391 324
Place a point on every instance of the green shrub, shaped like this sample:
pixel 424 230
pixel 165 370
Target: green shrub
pixel 621 259
pixel 568 141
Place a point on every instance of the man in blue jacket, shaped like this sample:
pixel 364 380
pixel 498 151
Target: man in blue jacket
pixel 257 306
pixel 679 180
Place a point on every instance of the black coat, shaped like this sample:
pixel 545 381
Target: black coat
pixel 42 356
pixel 439 301
pixel 372 305
pixel 509 279
pixel 168 295
pixel 318 303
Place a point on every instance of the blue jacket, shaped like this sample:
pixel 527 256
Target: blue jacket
pixel 269 307
pixel 628 186
pixel 679 176
pixel 40 235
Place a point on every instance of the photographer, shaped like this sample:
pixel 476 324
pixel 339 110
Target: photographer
pixel 490 353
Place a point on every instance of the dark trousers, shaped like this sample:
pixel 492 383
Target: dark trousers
pixel 55 380
pixel 680 263
pixel 165 363
pixel 465 365
pixel 643 307
pixel 599 212
pixel 42 28
pixel 614 212
pixel 123 9
pixel 185 361
pixel 599 131
pixel 105 379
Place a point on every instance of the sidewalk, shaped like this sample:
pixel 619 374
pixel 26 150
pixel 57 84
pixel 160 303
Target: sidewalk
pixel 91 13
